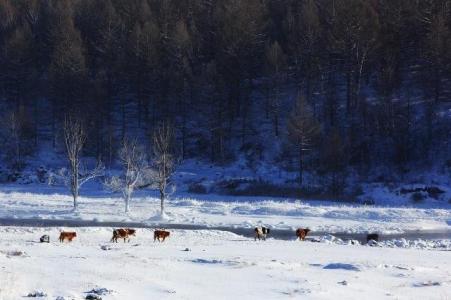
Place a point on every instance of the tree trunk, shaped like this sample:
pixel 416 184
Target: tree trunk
pixel 75 200
pixel 162 197
pixel 75 186
pixel 437 82
pixel 300 166
pixel 54 125
pixel 127 201
pixel 348 92
pixel 123 124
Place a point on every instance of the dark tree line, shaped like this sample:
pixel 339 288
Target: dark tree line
pixel 230 75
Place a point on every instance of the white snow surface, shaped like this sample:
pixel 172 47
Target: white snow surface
pixel 26 202
pixel 208 264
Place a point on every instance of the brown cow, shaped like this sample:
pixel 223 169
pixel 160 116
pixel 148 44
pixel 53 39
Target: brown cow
pixel 67 235
pixel 160 234
pixel 123 233
pixel 301 233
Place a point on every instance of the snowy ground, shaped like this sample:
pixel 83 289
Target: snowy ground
pixel 210 210
pixel 213 265
pixel 209 264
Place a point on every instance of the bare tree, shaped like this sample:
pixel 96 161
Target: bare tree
pixel 334 161
pixel 275 58
pixel 134 162
pixel 302 130
pixel 163 161
pixel 12 138
pixel 75 138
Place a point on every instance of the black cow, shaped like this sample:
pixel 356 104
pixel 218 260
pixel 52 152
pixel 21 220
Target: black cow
pixel 45 239
pixel 261 233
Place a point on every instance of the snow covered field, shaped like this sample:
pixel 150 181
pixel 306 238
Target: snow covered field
pixel 213 210
pixel 213 265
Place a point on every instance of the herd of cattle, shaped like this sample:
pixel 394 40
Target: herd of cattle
pixel 121 233
pixel 160 234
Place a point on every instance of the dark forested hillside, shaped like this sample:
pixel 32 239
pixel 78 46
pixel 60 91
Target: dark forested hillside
pixel 332 83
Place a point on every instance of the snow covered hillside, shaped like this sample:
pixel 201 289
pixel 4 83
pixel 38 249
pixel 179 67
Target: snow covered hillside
pixel 212 265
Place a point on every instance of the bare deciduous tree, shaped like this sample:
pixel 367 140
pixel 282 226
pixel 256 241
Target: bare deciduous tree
pixel 163 161
pixel 302 129
pixel 334 161
pixel 16 136
pixel 14 130
pixel 134 162
pixel 75 138
pixel 275 58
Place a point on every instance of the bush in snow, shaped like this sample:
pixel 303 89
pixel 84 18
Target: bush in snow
pixel 197 188
pixel 42 174
pixel 368 201
pixel 36 294
pixel 418 197
pixel 100 291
